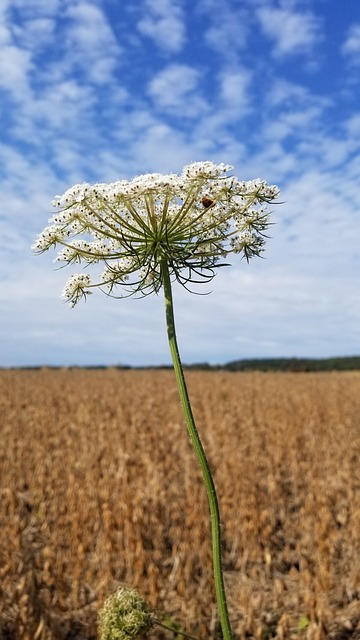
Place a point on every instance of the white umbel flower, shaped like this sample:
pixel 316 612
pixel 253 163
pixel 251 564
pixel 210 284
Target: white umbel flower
pixel 192 221
pixel 77 287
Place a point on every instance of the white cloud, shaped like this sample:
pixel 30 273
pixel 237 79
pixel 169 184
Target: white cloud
pixel 5 27
pixel 226 29
pixel 36 32
pixel 292 110
pixel 56 116
pixel 351 46
pixel 62 104
pixel 286 92
pixel 33 8
pixel 15 65
pixel 173 83
pixel 91 43
pixel 163 22
pixel 27 25
pixel 352 126
pixel 234 91
pixel 293 32
pixel 175 89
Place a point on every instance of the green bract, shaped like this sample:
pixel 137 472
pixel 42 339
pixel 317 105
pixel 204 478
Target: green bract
pixel 192 221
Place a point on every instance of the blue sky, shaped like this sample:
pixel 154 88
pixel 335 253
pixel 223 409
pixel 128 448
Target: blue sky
pixel 99 90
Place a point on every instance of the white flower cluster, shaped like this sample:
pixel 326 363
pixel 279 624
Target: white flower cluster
pixel 76 287
pixel 192 221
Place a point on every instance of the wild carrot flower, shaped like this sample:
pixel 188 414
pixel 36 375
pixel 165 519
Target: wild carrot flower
pixel 146 233
pixel 192 221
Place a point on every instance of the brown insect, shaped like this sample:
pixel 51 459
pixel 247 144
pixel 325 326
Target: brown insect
pixel 207 202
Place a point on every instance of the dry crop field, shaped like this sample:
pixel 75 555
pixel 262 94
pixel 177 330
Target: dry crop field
pixel 100 487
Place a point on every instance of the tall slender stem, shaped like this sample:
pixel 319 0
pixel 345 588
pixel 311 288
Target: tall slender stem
pixel 199 450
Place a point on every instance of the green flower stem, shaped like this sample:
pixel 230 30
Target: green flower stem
pixel 199 450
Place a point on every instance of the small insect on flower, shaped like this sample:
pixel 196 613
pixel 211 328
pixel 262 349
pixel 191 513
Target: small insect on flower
pixel 207 202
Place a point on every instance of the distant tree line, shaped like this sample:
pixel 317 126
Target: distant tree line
pixel 348 363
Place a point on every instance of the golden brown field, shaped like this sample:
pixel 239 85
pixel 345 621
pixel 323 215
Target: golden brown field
pixel 99 486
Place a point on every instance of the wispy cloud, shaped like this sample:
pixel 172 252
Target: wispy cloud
pixel 163 22
pixel 225 29
pixel 234 95
pixel 351 46
pixel 293 32
pixel 91 46
pixel 15 65
pixel 175 87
